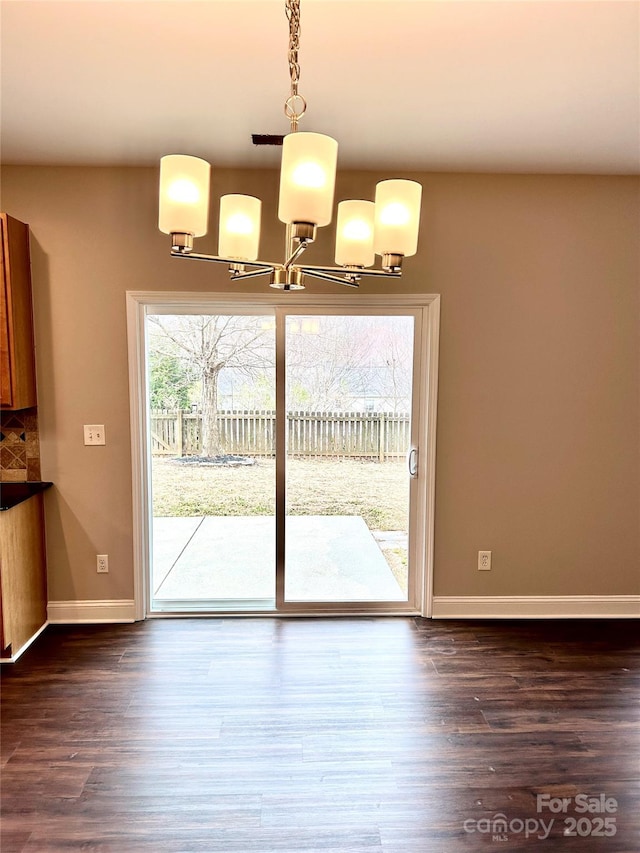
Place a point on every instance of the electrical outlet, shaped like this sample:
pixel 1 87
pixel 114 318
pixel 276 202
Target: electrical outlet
pixel 484 561
pixel 94 434
pixel 102 563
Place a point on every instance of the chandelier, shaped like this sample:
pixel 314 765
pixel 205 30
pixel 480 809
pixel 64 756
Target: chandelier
pixel 387 226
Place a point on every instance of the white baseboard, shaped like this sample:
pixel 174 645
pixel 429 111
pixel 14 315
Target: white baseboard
pixel 91 612
pixel 444 607
pixel 536 607
pixel 14 657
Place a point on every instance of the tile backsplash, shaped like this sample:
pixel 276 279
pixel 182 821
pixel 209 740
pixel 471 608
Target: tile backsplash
pixel 19 446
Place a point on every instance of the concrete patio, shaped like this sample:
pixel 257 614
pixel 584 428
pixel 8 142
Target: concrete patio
pixel 329 558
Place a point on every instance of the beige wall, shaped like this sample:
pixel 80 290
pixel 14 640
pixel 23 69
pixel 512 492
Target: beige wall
pixel 538 451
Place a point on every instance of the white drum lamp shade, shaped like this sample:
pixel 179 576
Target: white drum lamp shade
pixel 307 178
pixel 184 195
pixel 354 233
pixel 239 232
pixel 397 217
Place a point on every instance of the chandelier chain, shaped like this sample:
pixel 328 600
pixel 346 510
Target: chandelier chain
pixel 295 105
pixel 293 16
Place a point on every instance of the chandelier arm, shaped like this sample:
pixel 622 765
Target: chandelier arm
pixel 195 256
pixel 295 255
pixel 314 273
pixel 314 270
pixel 242 275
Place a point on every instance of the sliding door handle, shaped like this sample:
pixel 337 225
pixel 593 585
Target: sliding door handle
pixel 412 462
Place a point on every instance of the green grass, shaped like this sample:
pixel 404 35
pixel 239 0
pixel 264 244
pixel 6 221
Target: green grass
pixel 377 492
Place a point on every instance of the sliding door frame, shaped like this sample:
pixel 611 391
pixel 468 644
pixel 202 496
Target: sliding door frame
pixel 142 303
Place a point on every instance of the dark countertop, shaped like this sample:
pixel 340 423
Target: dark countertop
pixel 14 493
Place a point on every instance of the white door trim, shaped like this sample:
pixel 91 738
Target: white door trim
pixel 139 303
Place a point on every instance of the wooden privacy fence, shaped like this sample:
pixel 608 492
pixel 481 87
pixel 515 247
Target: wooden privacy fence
pixel 371 435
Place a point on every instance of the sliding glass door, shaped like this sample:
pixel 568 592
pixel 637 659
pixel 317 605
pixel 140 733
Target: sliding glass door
pixel 349 395
pixel 282 451
pixel 211 381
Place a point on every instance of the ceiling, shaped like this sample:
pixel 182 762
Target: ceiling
pixel 454 85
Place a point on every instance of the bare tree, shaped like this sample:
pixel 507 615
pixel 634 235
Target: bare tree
pixel 327 360
pixel 211 343
pixel 333 361
pixel 391 379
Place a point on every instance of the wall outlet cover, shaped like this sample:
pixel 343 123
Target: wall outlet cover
pixel 484 561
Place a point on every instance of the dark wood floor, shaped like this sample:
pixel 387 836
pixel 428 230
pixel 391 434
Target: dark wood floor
pixel 331 735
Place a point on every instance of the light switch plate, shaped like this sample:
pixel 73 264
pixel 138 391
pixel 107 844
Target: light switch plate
pixel 94 434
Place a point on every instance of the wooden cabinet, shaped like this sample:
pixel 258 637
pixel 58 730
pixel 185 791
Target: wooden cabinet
pixel 17 356
pixel 23 578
